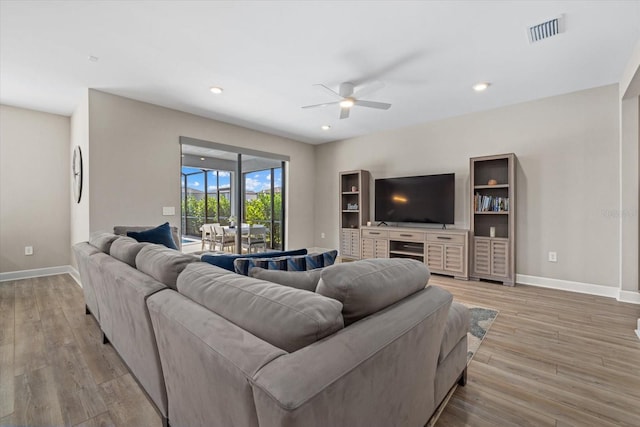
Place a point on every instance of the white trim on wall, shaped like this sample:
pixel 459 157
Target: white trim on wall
pixel 629 296
pixel 41 272
pixel 567 285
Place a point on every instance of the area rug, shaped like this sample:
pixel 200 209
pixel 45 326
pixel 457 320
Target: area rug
pixel 481 320
pixel 479 323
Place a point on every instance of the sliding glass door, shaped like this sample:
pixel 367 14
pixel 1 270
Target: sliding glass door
pixel 263 203
pixel 206 198
pixel 233 187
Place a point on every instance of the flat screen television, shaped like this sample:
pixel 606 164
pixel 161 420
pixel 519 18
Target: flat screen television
pixel 419 199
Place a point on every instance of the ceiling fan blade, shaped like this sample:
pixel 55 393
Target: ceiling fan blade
pixel 344 112
pixel 327 90
pixel 321 105
pixel 369 88
pixel 373 104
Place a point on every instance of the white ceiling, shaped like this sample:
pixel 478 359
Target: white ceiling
pixel 268 54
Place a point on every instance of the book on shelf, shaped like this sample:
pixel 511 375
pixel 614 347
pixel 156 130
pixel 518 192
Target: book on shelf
pixel 490 203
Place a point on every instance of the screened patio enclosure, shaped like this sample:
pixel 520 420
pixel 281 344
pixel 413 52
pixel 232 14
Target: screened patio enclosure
pixel 231 186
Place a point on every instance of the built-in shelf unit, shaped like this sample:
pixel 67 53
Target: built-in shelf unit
pixel 354 210
pixel 493 209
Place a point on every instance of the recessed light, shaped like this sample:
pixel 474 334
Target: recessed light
pixel 347 103
pixel 479 87
pixel 92 58
pixel 201 158
pixel 325 127
pixel 217 90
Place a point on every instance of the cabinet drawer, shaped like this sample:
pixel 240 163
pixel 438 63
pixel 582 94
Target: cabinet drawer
pixel 375 233
pixel 445 238
pixel 406 235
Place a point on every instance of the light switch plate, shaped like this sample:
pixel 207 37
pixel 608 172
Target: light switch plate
pixel 168 210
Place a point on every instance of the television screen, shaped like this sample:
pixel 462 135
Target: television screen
pixel 421 199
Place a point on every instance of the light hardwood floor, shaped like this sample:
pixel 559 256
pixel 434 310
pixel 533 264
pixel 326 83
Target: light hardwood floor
pixel 551 358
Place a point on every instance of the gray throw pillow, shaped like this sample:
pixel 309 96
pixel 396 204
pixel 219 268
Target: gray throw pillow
pixel 306 280
pixel 364 287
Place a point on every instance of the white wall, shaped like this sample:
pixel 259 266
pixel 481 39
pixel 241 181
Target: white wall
pixel 35 178
pixel 567 177
pixel 135 164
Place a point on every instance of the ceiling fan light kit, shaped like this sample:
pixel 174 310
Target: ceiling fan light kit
pixel 347 97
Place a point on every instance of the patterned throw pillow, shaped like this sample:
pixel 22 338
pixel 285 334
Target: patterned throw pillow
pixel 286 263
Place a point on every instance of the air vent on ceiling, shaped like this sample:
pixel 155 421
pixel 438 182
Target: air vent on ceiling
pixel 546 29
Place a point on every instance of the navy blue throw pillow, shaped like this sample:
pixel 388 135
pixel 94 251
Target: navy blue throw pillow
pixel 226 261
pixel 160 235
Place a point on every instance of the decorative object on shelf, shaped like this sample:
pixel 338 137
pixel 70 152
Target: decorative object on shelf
pixel 354 189
pixel 368 223
pixel 76 169
pixel 352 206
pixel 492 182
pixel 492 232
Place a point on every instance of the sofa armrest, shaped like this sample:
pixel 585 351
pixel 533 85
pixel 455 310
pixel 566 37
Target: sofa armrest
pixel 207 362
pixel 378 371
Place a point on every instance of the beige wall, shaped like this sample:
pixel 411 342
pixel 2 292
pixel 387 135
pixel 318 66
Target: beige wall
pixel 630 173
pixel 135 164
pixel 34 189
pixel 80 136
pixel 567 177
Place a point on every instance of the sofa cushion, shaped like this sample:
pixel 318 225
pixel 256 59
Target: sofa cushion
pixel 160 235
pixel 288 263
pixel 364 287
pixel 163 264
pixel 226 261
pixel 102 241
pixel 284 317
pixel 307 280
pixel 456 328
pixel 126 249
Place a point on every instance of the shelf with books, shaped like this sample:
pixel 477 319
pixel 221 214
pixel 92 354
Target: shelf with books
pixel 490 203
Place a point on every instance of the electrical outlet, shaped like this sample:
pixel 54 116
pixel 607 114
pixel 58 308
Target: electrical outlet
pixel 553 257
pixel 28 250
pixel 322 235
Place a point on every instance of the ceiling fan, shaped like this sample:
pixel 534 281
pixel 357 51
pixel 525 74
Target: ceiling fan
pixel 348 97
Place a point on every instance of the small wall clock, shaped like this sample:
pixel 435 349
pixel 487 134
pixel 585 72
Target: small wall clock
pixel 76 169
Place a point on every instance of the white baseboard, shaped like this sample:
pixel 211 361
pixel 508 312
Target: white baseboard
pixel 629 296
pixel 567 285
pixel 41 272
pixel 75 275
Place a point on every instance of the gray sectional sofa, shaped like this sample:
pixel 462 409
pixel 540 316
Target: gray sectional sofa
pixel 372 346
